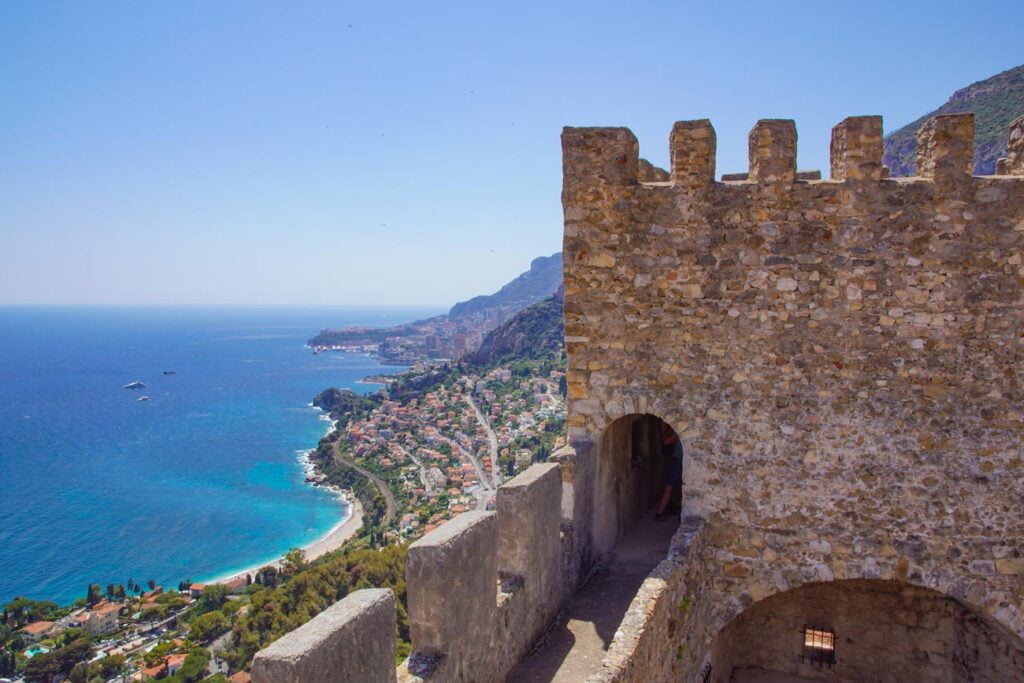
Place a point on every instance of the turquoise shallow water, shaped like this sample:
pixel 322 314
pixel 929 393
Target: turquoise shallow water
pixel 202 479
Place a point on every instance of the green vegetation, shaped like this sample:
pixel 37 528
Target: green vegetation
pixel 45 666
pixel 345 405
pixel 102 670
pixel 193 669
pixel 274 612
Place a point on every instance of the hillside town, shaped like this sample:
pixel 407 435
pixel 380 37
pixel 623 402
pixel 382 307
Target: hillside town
pixel 446 450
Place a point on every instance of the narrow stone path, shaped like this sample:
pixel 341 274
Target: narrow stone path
pixel 576 644
pixel 764 676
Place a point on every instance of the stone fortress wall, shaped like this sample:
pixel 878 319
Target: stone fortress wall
pixel 840 359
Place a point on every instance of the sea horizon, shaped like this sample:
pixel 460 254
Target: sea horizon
pixel 201 480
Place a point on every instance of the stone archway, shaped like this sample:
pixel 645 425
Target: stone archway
pixel 862 629
pixel 629 477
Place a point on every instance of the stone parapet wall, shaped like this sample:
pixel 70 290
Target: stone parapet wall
pixel 665 625
pixel 352 640
pixel 482 588
pixel 840 356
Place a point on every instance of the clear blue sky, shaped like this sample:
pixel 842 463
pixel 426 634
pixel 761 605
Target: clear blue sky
pixel 400 152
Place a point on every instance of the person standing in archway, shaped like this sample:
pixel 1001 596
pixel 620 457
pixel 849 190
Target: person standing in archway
pixel 671 448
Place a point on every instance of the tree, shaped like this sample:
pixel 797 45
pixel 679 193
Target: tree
pixel 207 626
pixel 110 591
pixel 152 584
pixel 294 560
pixel 42 667
pixel 193 669
pixel 93 595
pixel 158 653
pixel 212 598
pixel 111 666
pixel 79 673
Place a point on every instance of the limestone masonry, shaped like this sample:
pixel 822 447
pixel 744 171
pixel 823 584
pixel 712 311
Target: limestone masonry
pixel 840 359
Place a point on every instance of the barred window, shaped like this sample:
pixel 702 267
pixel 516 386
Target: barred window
pixel 819 645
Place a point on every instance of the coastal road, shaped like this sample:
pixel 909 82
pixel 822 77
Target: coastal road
pixel 382 486
pixel 491 438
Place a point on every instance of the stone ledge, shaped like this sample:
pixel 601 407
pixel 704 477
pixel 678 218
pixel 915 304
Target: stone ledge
pixel 352 640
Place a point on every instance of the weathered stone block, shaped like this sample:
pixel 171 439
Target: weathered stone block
pixel 856 149
pixel 602 156
pixel 452 583
pixel 528 519
pixel 692 146
pixel 352 640
pixel 945 147
pixel 1013 163
pixel 772 151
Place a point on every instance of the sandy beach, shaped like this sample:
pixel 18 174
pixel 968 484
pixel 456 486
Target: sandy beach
pixel 332 540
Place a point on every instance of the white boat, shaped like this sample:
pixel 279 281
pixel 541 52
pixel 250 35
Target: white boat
pixel 143 398
pixel 135 385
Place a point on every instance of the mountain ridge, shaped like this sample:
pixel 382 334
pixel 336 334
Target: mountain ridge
pixel 537 283
pixel 995 101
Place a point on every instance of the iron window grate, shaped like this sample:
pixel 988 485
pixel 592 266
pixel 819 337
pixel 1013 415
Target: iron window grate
pixel 819 645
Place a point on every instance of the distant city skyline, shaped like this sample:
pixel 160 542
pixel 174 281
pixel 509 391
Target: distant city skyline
pixel 400 155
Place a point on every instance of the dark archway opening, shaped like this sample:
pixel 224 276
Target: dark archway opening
pixel 638 456
pixel 864 630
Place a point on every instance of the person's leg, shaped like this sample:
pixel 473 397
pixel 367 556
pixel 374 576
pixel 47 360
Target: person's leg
pixel 673 478
pixel 666 498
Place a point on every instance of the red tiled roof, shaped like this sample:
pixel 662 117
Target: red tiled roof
pixel 107 608
pixel 153 671
pixel 38 627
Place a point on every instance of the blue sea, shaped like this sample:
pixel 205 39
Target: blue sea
pixel 202 479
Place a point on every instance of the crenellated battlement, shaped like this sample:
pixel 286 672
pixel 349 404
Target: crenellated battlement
pixel 945 153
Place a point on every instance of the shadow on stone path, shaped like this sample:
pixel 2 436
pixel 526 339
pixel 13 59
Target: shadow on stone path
pixel 574 646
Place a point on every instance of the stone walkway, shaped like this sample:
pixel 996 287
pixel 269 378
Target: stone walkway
pixel 576 643
pixel 764 676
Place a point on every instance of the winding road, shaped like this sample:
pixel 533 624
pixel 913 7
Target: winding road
pixel 389 497
pixel 484 494
pixel 428 485
pixel 491 438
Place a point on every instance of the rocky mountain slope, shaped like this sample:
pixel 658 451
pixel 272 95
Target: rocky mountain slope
pixel 996 102
pixel 530 334
pixel 540 282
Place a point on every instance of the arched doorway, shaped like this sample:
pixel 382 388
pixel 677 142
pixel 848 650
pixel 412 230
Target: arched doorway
pixel 864 630
pixel 633 466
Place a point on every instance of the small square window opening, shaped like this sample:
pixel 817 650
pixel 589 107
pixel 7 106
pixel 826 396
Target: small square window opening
pixel 819 645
